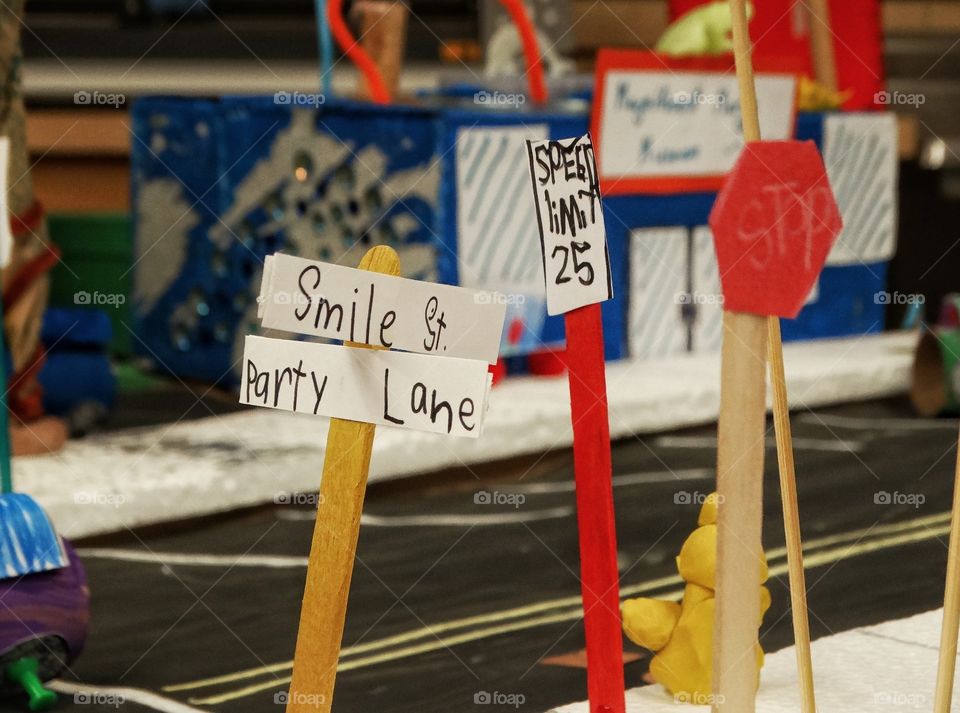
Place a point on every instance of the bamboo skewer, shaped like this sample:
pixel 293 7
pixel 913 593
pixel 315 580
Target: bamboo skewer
pixel 947 664
pixel 791 516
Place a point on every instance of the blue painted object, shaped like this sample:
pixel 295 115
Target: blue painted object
pixel 219 184
pixel 322 179
pixel 846 304
pixel 28 542
pixel 77 369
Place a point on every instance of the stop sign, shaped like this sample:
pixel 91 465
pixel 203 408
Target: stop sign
pixel 773 225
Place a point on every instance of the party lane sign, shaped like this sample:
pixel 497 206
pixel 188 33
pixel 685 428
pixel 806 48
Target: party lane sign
pixel 411 389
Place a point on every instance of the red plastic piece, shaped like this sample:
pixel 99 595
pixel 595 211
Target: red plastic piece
pixel 351 47
pixel 499 371
pixel 531 49
pixel 773 225
pixel 593 473
pixel 547 362
pixel 371 73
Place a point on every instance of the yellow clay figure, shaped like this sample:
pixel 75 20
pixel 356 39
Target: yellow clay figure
pixel 681 634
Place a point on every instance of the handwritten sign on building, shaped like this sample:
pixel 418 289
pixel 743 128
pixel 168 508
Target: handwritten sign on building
pixel 675 129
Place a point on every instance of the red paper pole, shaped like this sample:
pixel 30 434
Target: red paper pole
pixel 593 471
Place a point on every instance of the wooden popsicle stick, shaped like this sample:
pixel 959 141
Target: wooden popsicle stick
pixel 821 43
pixel 332 550
pixel 740 450
pixel 947 664
pixel 781 409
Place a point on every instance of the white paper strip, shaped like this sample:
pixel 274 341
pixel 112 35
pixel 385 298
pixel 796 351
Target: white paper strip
pixel 573 238
pixel 324 300
pixel 374 386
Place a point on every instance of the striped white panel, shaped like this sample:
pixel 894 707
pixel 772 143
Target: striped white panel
pixel 658 275
pixel 498 241
pixel 860 152
pixel 708 326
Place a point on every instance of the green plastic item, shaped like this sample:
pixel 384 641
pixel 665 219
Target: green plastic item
pixel 25 672
pixel 95 269
pixel 705 30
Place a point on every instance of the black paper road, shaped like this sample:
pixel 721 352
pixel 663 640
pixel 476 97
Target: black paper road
pixel 455 584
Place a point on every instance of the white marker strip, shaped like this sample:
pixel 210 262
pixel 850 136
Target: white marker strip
pixel 120 695
pixel 194 560
pixel 619 481
pixel 804 444
pixel 451 520
pixel 875 424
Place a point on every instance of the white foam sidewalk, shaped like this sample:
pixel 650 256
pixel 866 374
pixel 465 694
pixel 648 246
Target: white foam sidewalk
pixel 890 667
pixel 131 478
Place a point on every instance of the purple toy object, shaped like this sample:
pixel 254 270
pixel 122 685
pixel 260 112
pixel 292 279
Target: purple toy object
pixel 44 620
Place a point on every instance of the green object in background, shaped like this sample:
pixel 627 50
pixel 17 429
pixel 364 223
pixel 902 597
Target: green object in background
pixel 25 672
pixel 705 30
pixel 95 268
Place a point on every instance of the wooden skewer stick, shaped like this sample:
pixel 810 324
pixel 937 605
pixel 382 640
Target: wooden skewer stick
pixel 791 516
pixel 334 545
pixel 781 408
pixel 946 667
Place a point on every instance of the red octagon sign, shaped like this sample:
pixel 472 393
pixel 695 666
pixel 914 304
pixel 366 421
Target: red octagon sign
pixel 773 224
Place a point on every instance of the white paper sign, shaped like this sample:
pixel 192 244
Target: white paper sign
pixel 317 298
pixel 387 388
pixel 570 216
pixel 684 124
pixel 6 235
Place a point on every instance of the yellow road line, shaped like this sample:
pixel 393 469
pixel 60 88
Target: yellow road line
pixel 818 559
pixel 564 602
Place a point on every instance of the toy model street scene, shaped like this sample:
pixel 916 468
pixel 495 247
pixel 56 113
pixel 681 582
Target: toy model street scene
pixel 442 356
